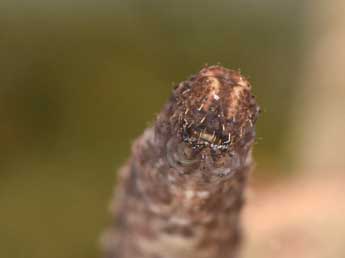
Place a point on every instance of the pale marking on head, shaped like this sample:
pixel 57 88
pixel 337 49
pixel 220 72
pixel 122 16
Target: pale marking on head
pixel 215 86
pixel 235 97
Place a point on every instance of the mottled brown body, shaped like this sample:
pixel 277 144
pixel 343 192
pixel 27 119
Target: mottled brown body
pixel 181 193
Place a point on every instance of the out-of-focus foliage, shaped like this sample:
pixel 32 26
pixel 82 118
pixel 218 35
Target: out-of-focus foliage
pixel 79 81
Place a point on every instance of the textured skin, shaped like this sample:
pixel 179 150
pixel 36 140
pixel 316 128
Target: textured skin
pixel 181 193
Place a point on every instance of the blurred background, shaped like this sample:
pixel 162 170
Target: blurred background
pixel 80 80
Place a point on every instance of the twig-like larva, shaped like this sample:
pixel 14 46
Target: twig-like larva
pixel 181 193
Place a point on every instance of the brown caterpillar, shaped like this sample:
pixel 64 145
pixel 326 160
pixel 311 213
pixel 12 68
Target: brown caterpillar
pixel 181 193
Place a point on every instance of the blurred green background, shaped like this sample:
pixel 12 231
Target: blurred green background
pixel 80 80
